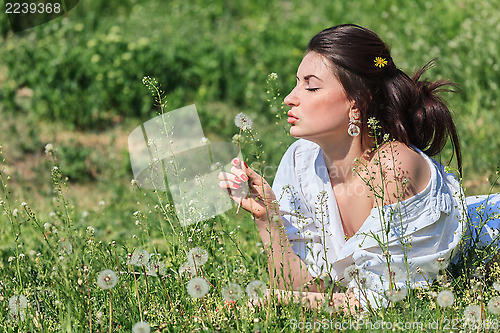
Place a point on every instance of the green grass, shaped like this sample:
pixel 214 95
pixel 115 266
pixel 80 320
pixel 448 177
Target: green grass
pixel 83 75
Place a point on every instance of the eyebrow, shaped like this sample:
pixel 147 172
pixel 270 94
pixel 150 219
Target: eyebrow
pixel 307 77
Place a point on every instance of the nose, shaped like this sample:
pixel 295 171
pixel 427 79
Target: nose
pixel 291 99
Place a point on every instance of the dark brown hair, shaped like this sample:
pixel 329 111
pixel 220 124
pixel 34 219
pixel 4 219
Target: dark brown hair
pixel 408 109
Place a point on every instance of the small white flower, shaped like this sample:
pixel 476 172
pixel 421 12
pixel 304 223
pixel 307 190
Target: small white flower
pixel 243 122
pixel 273 76
pixel 17 303
pixel 107 279
pixel 197 287
pixel 24 204
pixel 133 182
pixel 14 212
pixel 47 226
pixel 256 290
pixel 232 292
pixel 445 298
pixel 49 148
pixel 141 327
pixel 386 137
pixel 90 230
pixel 494 305
pixel 204 140
pixel 472 313
pixel 198 255
pixel 101 204
pixel 150 142
pixel 140 258
pixel 396 295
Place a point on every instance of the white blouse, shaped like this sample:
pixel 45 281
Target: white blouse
pixel 424 228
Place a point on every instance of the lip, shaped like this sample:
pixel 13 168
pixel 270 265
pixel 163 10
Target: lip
pixel 291 117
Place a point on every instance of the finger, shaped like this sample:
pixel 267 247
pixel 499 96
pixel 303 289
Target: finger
pixel 227 184
pixel 226 176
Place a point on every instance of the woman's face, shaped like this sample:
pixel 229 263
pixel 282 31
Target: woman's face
pixel 319 107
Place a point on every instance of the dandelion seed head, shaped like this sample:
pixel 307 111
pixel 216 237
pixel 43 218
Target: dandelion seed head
pixel 232 292
pixel 187 268
pixel 17 316
pixel 198 256
pixel 364 280
pixel 107 279
pixel 140 258
pixel 494 305
pixel 350 273
pixel 17 303
pixel 445 298
pixel 396 295
pixel 243 122
pixel 472 313
pixel 197 287
pixel 496 286
pixel 256 290
pixel 141 327
pixel 393 274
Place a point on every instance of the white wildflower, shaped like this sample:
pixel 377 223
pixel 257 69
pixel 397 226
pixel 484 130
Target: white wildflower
pixel 396 295
pixel 107 279
pixel 24 204
pixel 47 226
pixel 90 230
pixel 256 290
pixel 445 298
pixel 101 204
pixel 14 212
pixel 49 149
pixel 350 273
pixel 17 303
pixel 394 274
pixel 440 264
pixel 141 327
pixel 494 305
pixel 17 316
pixel 197 287
pixel 198 256
pixel 187 268
pixel 472 313
pixel 232 292
pixel 140 258
pixel 204 140
pixel 243 122
pixel 65 247
pixel 364 280
pixel 155 267
pixel 273 76
pixel 133 182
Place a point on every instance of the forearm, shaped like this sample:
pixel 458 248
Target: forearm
pixel 286 269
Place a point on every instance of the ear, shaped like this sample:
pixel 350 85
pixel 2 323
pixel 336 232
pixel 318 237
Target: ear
pixel 354 112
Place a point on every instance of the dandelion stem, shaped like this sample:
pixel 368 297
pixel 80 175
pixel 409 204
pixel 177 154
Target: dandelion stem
pixel 110 312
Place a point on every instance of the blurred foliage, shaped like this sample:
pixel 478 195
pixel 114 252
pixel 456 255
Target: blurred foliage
pixel 84 70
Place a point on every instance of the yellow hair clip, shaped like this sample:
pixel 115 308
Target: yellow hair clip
pixel 380 62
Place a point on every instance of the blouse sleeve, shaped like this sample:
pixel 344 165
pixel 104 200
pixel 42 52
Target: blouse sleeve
pixel 296 212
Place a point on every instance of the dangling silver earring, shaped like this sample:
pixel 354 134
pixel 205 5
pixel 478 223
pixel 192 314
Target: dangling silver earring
pixel 353 129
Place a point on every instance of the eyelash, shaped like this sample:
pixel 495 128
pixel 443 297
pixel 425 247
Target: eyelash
pixel 312 89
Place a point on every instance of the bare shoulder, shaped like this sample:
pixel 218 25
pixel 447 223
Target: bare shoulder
pixel 395 172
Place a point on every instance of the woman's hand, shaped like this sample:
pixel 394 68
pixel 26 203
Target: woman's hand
pixel 249 189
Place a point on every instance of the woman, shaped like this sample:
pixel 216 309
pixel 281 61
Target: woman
pixel 357 193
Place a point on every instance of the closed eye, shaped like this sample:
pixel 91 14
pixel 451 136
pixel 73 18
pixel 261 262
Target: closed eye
pixel 312 89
